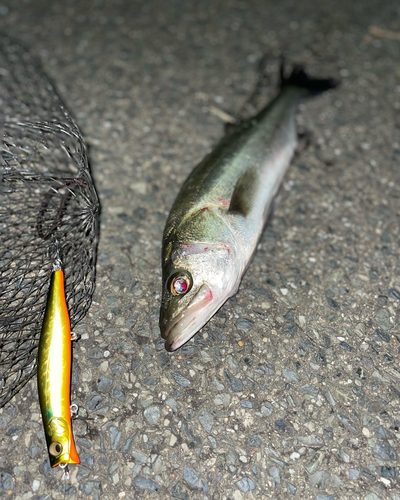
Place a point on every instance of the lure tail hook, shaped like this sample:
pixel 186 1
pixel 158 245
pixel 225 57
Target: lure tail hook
pixel 65 469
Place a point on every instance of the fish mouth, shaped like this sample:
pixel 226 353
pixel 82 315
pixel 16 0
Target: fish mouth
pixel 185 325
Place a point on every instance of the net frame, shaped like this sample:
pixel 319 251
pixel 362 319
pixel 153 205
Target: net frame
pixel 48 209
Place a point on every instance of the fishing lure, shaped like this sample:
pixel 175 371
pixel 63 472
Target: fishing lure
pixel 54 375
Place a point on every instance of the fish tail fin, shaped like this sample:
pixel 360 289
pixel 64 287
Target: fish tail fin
pixel 299 78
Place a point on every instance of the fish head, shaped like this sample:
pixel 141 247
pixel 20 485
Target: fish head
pixel 60 442
pixel 197 279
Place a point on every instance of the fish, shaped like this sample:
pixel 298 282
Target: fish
pixel 219 214
pixel 54 375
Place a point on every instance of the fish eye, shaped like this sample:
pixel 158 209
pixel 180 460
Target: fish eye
pixel 55 449
pixel 180 283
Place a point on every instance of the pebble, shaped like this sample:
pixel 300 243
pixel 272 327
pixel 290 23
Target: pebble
pixel 319 478
pixel 281 425
pixel 88 487
pixel 389 471
pixel 218 384
pixel 82 474
pixel 232 363
pixel 104 384
pixel 382 433
pixel 115 436
pixel 309 389
pixel 205 357
pixel 152 414
pixel 189 349
pixel 45 468
pixel 275 474
pixel 66 489
pixel 178 492
pixel 206 420
pixel 163 359
pixel 382 319
pixel 311 441
pixel 85 443
pixel 213 441
pixel 368 474
pixel 290 330
pixel 222 400
pixel 245 484
pixel 118 394
pixel 383 450
pixel 128 443
pixel 345 346
pixel 366 432
pixel 245 403
pixel 344 456
pixel 354 474
pixel 265 369
pixel 237 495
pixel 255 441
pixel 334 482
pixel 193 480
pixel 172 404
pixel 4 421
pixel 94 402
pixel 6 481
pixel 235 383
pixel 180 379
pixel 382 335
pixel 267 409
pixel 95 355
pixel 332 303
pixel 388 358
pixel 244 324
pixel 394 293
pixel 86 459
pixel 231 457
pixel 139 457
pixel 144 483
pixel 290 375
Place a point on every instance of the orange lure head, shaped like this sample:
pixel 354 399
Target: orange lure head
pixel 60 442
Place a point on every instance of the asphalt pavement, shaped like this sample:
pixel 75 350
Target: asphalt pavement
pixel 292 390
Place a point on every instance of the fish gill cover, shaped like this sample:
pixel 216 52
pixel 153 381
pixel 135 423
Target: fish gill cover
pixel 48 206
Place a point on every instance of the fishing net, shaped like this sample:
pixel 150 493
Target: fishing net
pixel 48 207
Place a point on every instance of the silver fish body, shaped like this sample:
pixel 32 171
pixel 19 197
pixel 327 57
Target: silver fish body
pixel 219 214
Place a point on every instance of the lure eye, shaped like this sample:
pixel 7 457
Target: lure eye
pixel 55 449
pixel 180 284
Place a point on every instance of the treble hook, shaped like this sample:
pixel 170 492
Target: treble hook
pixel 65 470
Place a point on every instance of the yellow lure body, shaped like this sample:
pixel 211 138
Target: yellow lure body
pixel 54 375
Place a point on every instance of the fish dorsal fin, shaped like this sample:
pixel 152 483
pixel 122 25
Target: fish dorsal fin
pixel 244 193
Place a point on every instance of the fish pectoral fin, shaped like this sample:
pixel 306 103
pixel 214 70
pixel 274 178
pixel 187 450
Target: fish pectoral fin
pixel 244 193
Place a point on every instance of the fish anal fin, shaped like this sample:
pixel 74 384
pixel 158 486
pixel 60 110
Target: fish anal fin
pixel 244 193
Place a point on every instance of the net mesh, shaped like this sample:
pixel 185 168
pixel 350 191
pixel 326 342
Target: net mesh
pixel 48 207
